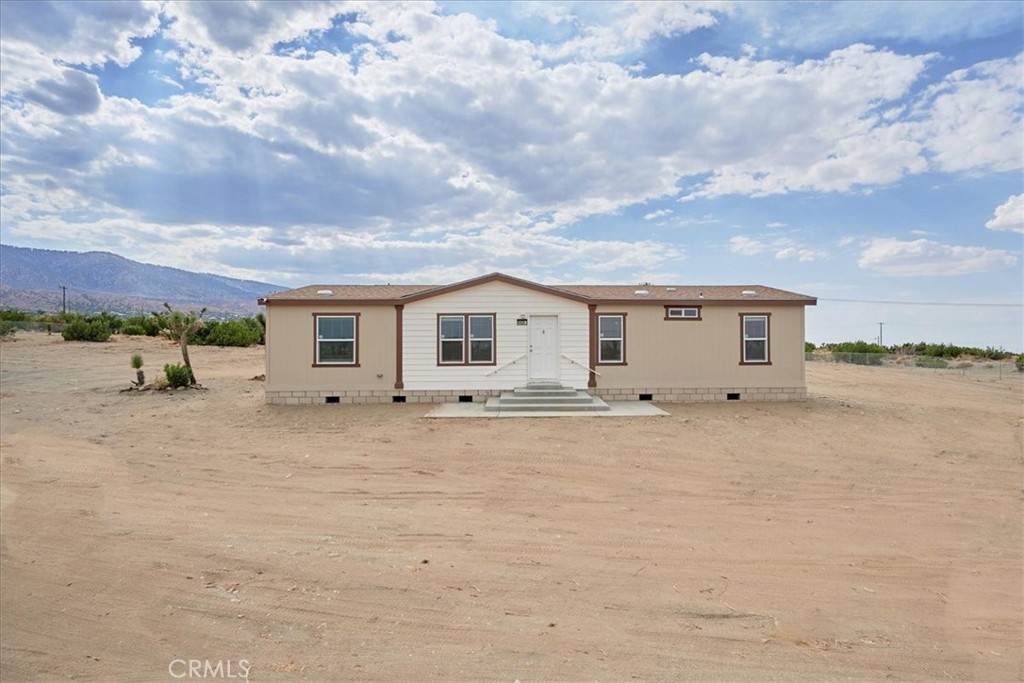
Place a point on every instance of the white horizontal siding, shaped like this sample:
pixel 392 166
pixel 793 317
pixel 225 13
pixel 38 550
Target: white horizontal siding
pixel 507 302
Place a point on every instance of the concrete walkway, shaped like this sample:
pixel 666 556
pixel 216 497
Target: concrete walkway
pixel 615 409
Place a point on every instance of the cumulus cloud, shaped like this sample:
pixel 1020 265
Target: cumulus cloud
pixel 890 256
pixel 972 119
pixel 73 34
pixel 72 94
pixel 1009 215
pixel 746 246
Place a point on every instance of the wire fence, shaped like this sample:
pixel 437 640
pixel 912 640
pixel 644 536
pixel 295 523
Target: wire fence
pixel 8 326
pixel 981 368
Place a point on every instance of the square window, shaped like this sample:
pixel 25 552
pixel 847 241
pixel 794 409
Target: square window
pixel 336 342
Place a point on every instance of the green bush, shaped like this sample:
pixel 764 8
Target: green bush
pixel 242 332
pixel 133 330
pixel 1019 363
pixel 808 347
pixel 14 315
pixel 930 362
pixel 81 330
pixel 178 375
pixel 858 347
pixel 149 325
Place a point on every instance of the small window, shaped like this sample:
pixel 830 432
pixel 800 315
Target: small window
pixel 611 338
pixel 682 313
pixel 465 339
pixel 452 338
pixel 755 338
pixel 336 339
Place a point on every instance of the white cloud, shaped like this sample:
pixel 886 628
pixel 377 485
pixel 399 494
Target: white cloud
pixel 1009 215
pixel 972 119
pixel 65 33
pixel 890 256
pixel 745 245
pixel 657 214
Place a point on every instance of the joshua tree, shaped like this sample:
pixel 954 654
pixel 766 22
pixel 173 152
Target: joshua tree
pixel 140 376
pixel 179 326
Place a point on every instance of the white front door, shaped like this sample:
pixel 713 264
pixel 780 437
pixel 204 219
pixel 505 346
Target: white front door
pixel 543 348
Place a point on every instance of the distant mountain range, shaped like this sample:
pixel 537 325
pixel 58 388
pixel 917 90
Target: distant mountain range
pixel 30 279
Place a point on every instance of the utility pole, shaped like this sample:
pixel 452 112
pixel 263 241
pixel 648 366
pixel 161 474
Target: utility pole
pixel 880 334
pixel 63 299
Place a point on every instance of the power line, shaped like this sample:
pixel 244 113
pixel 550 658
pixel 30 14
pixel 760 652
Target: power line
pixel 922 303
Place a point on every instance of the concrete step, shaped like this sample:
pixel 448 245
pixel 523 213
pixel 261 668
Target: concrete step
pixel 574 397
pixel 544 391
pixel 501 404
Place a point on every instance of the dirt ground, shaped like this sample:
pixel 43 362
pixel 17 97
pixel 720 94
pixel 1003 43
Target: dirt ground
pixel 873 532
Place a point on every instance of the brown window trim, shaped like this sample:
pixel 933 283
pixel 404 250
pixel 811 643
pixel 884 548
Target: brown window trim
pixel 466 340
pixel 316 340
pixel 700 313
pixel 597 335
pixel 767 338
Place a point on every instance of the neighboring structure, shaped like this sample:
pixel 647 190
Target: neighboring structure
pixel 474 339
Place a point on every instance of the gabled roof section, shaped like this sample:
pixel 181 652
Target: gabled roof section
pixel 688 293
pixel 382 294
pixel 497 277
pixel 589 294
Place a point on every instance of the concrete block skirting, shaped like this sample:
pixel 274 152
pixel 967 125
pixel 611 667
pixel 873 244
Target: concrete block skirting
pixel 375 396
pixel 692 395
pixel 658 394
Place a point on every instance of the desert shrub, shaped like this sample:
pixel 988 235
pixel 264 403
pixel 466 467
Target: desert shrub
pixel 951 351
pixel 930 362
pixel 7 329
pixel 242 332
pixel 14 315
pixel 1019 363
pixel 149 325
pixel 111 320
pixel 177 375
pixel 858 347
pixel 133 330
pixel 81 330
pixel 809 347
pixel 161 383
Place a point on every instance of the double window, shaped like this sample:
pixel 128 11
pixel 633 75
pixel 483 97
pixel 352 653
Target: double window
pixel 611 338
pixel 754 330
pixel 682 313
pixel 336 339
pixel 465 339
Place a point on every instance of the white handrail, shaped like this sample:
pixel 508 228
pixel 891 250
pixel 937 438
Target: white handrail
pixel 511 362
pixel 573 360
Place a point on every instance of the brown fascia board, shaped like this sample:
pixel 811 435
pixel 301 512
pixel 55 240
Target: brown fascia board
pixel 432 291
pixel 704 302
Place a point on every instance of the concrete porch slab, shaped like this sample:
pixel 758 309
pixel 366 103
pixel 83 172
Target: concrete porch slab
pixel 615 409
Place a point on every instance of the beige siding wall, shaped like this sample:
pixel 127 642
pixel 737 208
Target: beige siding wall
pixel 508 302
pixel 290 339
pixel 706 353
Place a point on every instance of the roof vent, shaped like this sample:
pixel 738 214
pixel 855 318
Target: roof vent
pixel 670 289
pixel 324 292
pixel 641 292
pixel 748 292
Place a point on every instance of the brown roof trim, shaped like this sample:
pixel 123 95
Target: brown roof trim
pixel 607 295
pixel 704 302
pixel 495 277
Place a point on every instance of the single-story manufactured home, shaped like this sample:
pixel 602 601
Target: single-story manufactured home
pixel 472 340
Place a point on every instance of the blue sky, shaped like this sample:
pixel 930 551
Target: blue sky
pixel 860 152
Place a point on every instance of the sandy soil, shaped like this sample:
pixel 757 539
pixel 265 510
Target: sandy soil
pixel 871 533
